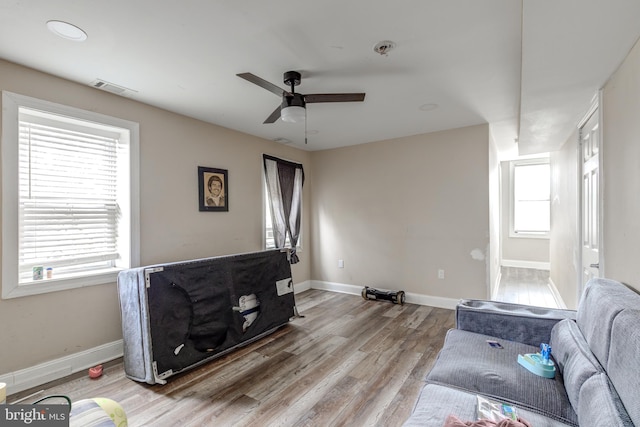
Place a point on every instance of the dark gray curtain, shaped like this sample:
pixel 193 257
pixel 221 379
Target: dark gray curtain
pixel 284 188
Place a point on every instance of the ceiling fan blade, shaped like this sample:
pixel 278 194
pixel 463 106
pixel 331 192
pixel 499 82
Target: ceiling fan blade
pixel 263 83
pixel 334 97
pixel 273 116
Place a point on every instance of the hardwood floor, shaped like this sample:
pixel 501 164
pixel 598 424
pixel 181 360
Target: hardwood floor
pixel 525 286
pixel 348 362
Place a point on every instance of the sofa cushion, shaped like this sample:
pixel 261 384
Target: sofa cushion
pixel 436 402
pixel 600 404
pixel 601 301
pixel 466 361
pixel 573 358
pixel 515 322
pixel 624 358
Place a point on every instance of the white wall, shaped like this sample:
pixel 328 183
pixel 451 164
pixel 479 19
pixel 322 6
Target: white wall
pixel 40 328
pixel 620 175
pixel 494 217
pixel 565 238
pixel 620 172
pixel 399 210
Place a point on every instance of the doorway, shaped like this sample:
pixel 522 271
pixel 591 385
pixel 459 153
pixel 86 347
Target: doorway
pixel 591 231
pixel 523 276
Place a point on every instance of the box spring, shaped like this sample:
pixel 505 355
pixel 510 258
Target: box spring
pixel 179 315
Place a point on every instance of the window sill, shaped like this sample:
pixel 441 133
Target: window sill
pixel 55 284
pixel 298 248
pixel 529 235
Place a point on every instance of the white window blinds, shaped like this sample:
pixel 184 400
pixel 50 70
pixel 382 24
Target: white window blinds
pixel 68 181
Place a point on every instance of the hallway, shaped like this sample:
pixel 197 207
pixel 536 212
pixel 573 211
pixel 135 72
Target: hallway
pixel 525 286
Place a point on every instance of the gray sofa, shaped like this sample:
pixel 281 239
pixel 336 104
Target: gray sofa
pixel 596 350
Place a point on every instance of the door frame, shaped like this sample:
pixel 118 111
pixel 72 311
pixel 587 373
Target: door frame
pixel 596 104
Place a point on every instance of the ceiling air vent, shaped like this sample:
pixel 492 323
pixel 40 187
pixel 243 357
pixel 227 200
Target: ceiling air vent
pixel 113 88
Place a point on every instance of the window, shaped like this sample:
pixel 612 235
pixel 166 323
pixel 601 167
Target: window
pixel 270 241
pixel 531 206
pixel 283 204
pixel 70 210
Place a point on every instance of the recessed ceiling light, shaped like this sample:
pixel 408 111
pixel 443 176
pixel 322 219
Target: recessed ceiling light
pixel 427 107
pixel 67 31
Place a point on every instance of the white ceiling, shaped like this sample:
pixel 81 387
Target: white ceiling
pixel 529 68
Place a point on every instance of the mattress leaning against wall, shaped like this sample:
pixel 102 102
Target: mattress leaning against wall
pixel 179 315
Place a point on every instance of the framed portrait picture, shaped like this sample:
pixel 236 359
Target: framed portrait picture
pixel 213 189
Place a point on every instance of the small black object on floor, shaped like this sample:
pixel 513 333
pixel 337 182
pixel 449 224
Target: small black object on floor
pixel 396 297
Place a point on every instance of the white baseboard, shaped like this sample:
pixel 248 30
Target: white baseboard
pixel 440 302
pixel 420 299
pixel 302 286
pixel 34 376
pixel 556 294
pixel 336 287
pixel 537 265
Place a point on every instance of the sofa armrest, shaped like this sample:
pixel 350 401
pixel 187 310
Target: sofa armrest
pixel 513 322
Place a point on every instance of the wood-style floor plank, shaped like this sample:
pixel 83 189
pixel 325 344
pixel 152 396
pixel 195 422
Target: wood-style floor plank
pixel 525 286
pixel 347 362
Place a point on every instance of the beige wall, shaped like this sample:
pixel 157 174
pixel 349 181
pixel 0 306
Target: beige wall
pixel 620 172
pixel 565 238
pixel 45 327
pixel 518 248
pixel 396 211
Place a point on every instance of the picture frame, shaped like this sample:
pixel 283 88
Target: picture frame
pixel 213 189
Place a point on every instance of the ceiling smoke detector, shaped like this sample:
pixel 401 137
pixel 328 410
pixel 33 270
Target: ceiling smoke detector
pixel 384 47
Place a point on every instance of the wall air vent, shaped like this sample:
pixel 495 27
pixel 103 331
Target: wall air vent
pixel 113 88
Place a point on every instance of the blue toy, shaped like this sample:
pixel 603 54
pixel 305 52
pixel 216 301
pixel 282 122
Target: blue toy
pixel 539 363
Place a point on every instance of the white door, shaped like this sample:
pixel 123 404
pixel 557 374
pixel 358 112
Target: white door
pixel 590 148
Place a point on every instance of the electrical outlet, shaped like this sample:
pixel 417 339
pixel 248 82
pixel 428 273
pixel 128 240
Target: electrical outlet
pixel 441 274
pixel 340 263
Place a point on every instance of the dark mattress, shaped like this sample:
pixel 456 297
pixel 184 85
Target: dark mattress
pixel 179 315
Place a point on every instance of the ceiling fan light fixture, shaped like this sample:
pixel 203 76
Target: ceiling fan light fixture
pixel 293 114
pixel 292 108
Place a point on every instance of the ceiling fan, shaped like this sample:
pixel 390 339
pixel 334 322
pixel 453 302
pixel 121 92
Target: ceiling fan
pixel 293 106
